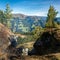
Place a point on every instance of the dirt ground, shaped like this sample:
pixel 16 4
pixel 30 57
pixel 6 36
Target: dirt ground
pixel 43 57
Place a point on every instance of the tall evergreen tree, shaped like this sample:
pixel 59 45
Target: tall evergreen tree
pixel 2 17
pixel 8 14
pixel 51 16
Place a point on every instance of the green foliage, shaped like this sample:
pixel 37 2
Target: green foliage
pixel 2 17
pixel 8 14
pixel 37 32
pixel 5 16
pixel 29 38
pixel 20 40
pixel 58 23
pixel 51 16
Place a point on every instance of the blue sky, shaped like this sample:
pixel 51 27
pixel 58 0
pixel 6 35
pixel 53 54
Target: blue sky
pixel 31 7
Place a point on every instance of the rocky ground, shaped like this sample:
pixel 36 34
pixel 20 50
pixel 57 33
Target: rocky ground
pixel 43 57
pixel 54 39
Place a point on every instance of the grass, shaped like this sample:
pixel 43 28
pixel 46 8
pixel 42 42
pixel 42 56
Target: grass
pixel 28 45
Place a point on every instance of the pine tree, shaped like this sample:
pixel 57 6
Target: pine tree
pixel 2 17
pixel 8 14
pixel 51 16
pixel 37 32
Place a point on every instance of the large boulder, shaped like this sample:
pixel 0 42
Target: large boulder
pixel 48 42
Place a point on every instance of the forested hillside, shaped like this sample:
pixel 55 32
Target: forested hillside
pixel 23 23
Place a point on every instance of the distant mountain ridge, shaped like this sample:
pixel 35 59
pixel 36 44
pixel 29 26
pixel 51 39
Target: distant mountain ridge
pixel 24 23
pixel 21 16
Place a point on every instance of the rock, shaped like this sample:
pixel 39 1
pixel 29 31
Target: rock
pixel 48 42
pixel 4 41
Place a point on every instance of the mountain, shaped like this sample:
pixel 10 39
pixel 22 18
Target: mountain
pixel 23 23
pixel 21 16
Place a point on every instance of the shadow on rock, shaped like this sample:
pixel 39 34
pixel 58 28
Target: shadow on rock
pixel 47 43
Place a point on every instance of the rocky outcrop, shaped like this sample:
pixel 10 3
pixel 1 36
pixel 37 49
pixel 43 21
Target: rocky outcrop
pixel 4 41
pixel 48 42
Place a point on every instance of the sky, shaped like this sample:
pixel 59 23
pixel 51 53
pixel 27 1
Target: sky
pixel 31 7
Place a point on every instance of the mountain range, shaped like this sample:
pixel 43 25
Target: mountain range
pixel 24 23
